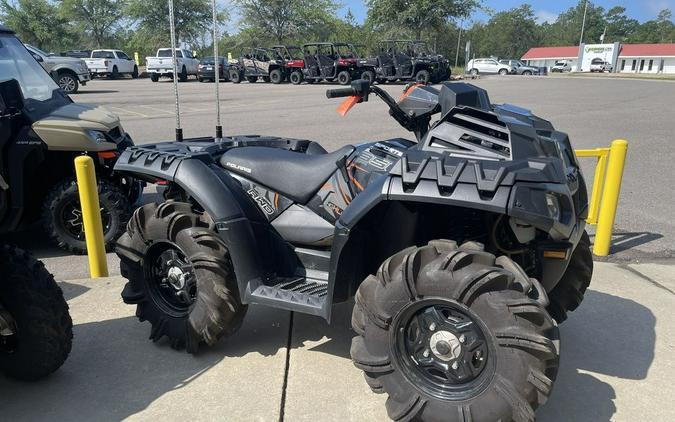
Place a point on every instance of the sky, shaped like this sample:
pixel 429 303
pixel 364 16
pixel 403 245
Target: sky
pixel 546 10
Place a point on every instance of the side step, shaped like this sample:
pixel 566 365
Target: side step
pixel 300 294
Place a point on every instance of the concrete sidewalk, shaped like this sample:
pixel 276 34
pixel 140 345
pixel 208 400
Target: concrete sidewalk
pixel 617 363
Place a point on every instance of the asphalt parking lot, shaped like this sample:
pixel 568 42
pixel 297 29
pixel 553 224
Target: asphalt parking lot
pixel 617 348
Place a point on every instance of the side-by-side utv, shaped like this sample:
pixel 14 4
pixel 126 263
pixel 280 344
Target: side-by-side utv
pixel 35 328
pixel 461 247
pixel 408 60
pixel 325 61
pixel 49 131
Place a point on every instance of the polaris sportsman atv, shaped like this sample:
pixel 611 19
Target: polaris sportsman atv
pixel 35 328
pixel 462 248
pixel 47 134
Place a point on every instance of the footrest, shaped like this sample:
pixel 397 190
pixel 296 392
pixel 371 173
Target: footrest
pixel 294 294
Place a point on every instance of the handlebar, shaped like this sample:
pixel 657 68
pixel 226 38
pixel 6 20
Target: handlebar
pixel 340 92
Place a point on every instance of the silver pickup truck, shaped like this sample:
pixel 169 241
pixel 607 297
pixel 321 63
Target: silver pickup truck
pixel 70 72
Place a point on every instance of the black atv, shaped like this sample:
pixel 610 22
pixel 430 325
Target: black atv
pixel 325 61
pixel 462 248
pixel 252 65
pixel 35 328
pixel 406 60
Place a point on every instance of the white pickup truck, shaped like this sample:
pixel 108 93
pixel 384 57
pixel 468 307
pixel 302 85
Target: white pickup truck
pixel 111 63
pixel 162 64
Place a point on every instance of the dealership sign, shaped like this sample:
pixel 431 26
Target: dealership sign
pixel 605 52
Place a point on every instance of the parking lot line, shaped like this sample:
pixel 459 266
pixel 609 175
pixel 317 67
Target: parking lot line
pixel 126 112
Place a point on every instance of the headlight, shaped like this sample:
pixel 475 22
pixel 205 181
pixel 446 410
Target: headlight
pixel 97 136
pixel 553 206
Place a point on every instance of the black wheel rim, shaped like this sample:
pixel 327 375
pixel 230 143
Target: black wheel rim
pixel 171 278
pixel 442 348
pixel 8 332
pixel 71 219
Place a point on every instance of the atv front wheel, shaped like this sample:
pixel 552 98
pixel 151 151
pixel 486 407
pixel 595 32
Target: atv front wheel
pixel 235 77
pixel 423 77
pixel 62 215
pixel 35 327
pixel 568 294
pixel 296 77
pixel 454 334
pixel 344 78
pixel 180 275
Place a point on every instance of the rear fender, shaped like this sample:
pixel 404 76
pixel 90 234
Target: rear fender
pixel 239 222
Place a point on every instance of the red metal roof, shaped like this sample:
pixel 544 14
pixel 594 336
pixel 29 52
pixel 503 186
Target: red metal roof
pixel 647 50
pixel 551 53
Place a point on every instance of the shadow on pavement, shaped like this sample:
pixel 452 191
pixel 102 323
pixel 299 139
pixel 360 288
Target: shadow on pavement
pixel 608 336
pixel 72 290
pixel 623 241
pixel 114 371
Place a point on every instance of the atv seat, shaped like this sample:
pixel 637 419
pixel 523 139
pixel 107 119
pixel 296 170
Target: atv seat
pixel 295 175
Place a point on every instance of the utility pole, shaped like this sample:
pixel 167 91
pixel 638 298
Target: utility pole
pixel 459 39
pixel 583 23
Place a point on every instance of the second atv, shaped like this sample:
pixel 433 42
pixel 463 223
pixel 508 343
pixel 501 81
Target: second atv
pixel 48 132
pixel 462 247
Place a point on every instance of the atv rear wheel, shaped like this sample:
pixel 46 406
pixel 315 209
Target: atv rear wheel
pixel 37 331
pixel 568 294
pixel 344 78
pixel 368 75
pixel 180 275
pixel 276 77
pixel 62 215
pixel 454 334
pixel 296 77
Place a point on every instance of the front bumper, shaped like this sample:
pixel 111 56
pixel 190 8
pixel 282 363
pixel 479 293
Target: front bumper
pixel 84 77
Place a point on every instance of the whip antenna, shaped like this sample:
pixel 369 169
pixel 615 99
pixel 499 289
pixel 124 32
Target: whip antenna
pixel 172 28
pixel 216 62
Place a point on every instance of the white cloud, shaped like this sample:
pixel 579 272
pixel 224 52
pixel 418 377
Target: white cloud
pixel 545 16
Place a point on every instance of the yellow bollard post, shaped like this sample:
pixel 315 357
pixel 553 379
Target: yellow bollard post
pixel 610 197
pixel 137 59
pixel 91 216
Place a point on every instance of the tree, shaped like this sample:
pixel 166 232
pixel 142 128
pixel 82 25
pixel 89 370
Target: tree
pixel 286 19
pixel 36 22
pixel 191 17
pixel 508 34
pixel 97 18
pixel 619 26
pixel 417 16
pixel 567 28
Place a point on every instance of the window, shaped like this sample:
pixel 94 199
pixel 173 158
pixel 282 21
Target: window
pixel 185 53
pixel 623 64
pixel 122 55
pixel 633 65
pixel 102 54
pixel 651 63
pixel 642 65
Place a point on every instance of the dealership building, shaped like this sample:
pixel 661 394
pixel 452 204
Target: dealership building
pixel 625 58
